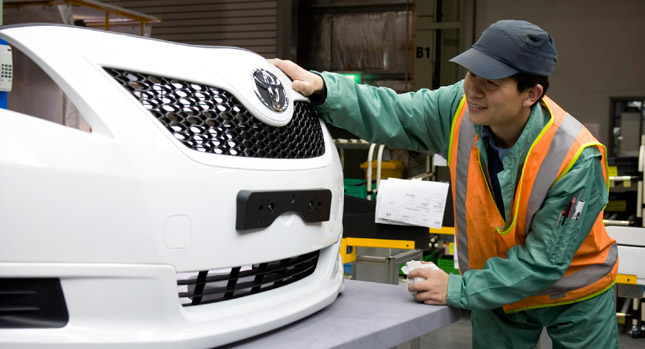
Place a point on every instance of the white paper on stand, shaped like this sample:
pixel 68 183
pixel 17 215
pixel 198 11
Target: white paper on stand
pixel 439 160
pixel 408 202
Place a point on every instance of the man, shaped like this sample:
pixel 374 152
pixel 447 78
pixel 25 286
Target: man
pixel 529 185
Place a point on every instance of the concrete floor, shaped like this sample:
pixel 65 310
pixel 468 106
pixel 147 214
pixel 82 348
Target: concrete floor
pixel 458 335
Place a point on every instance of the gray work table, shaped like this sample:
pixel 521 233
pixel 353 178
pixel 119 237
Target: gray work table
pixel 365 315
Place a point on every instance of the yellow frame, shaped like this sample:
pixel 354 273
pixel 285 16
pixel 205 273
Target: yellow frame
pixel 626 279
pixel 364 242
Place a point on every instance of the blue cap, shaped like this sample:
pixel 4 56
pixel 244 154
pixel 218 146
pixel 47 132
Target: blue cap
pixel 508 47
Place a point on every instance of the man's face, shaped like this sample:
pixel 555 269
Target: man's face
pixel 495 103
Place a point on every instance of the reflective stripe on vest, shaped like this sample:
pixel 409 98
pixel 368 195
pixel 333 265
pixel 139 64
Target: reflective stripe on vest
pixel 586 276
pixel 550 157
pixel 548 172
pixel 467 138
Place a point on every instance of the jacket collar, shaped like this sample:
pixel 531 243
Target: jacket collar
pixel 510 157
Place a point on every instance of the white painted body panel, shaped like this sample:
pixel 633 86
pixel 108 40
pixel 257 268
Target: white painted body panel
pixel 117 212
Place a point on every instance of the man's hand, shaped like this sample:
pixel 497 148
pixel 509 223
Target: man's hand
pixel 304 81
pixel 434 290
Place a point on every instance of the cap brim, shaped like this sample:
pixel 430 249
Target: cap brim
pixel 483 65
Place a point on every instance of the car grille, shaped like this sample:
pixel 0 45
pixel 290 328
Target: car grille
pixel 210 286
pixel 211 120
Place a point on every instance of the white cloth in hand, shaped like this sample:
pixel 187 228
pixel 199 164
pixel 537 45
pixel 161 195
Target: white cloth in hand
pixel 411 265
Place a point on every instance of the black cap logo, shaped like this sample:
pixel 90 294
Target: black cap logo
pixel 270 90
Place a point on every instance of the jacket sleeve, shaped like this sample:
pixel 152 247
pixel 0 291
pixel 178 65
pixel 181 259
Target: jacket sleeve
pixel 416 120
pixel 548 250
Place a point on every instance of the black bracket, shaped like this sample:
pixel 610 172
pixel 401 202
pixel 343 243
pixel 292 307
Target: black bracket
pixel 358 222
pixel 258 209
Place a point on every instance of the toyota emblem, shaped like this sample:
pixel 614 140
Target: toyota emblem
pixel 270 90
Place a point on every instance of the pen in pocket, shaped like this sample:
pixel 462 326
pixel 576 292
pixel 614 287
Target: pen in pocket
pixel 562 214
pixel 573 201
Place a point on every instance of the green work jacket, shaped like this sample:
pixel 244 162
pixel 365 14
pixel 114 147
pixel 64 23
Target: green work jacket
pixel 422 121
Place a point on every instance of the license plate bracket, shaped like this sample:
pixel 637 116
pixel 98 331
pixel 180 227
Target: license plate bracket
pixel 258 209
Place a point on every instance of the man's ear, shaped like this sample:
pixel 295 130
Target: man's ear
pixel 533 95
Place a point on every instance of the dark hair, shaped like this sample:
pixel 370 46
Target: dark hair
pixel 526 81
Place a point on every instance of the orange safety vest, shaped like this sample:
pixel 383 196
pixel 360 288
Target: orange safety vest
pixel 480 230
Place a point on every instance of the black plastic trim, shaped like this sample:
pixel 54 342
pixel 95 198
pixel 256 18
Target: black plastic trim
pixel 258 209
pixel 211 286
pixel 358 222
pixel 32 303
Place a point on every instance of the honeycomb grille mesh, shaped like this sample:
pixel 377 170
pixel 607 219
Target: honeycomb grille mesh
pixel 211 120
pixel 210 286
